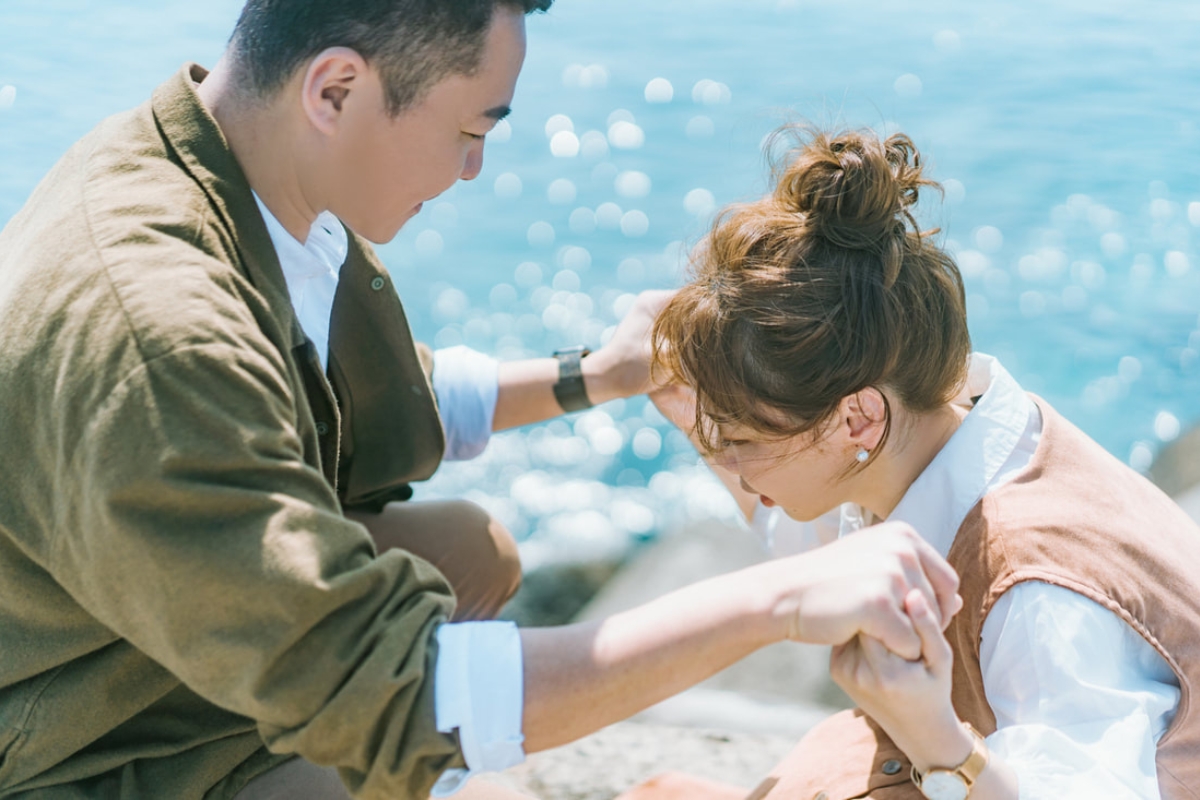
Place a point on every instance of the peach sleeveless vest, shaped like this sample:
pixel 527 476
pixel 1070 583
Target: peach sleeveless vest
pixel 1075 517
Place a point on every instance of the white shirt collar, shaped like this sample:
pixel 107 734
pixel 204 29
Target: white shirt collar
pixel 1001 425
pixel 311 270
pixel 323 252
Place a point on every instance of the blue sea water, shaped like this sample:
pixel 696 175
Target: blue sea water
pixel 1067 135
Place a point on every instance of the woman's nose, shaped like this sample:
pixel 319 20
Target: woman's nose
pixel 474 163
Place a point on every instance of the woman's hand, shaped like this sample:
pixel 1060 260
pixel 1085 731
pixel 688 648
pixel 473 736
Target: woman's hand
pixel 910 699
pixel 860 584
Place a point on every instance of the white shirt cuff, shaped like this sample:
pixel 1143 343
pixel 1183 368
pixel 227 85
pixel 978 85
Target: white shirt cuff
pixel 467 384
pixel 479 689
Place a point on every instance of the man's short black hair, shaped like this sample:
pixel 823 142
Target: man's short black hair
pixel 412 43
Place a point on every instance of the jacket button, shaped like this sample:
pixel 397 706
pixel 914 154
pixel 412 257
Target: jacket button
pixel 378 283
pixel 822 796
pixel 892 767
pixel 322 429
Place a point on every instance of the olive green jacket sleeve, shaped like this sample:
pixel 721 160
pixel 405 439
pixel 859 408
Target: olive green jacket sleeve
pixel 199 534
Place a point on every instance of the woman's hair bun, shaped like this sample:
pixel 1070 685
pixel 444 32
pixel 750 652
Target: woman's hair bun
pixel 854 189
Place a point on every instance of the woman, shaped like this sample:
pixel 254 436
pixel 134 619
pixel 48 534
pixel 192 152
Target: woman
pixel 825 338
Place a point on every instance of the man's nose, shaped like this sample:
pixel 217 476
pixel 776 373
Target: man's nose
pixel 474 163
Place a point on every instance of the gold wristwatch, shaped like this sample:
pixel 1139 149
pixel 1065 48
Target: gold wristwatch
pixel 955 784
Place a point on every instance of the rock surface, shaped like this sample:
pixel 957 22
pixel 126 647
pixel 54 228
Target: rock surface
pixel 1176 470
pixel 616 759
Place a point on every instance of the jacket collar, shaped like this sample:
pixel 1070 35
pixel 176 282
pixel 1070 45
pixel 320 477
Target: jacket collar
pixel 197 140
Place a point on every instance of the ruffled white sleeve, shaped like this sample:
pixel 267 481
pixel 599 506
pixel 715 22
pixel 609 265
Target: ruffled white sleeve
pixel 1080 698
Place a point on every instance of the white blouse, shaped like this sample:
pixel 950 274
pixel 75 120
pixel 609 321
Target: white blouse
pixel 1080 698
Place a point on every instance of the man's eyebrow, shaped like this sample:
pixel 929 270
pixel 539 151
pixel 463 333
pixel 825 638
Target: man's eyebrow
pixel 498 113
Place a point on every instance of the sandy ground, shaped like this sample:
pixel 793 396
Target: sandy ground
pixel 618 758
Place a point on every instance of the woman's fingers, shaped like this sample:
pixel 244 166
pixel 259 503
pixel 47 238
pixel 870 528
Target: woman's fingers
pixel 942 579
pixel 877 655
pixel 894 629
pixel 935 650
pixel 844 661
pixel 917 579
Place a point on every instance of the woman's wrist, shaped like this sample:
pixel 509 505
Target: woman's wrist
pixel 944 745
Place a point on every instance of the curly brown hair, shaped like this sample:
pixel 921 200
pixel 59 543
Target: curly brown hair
pixel 821 289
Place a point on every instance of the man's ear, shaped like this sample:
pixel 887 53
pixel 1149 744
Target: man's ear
pixel 864 416
pixel 328 81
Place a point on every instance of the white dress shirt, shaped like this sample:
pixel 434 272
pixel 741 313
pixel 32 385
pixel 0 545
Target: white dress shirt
pixel 1080 698
pixel 479 677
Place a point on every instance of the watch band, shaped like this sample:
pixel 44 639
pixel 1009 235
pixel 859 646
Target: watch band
pixel 968 771
pixel 570 391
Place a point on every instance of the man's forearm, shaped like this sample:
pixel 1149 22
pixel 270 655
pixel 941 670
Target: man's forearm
pixel 526 392
pixel 581 678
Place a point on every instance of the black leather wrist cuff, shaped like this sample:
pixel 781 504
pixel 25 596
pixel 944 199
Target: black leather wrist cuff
pixel 570 391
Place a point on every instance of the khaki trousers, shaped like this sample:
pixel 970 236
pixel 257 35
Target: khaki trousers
pixel 478 557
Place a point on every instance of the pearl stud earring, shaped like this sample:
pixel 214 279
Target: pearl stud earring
pixel 862 456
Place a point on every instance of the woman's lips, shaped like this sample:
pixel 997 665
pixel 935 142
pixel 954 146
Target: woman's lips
pixel 766 501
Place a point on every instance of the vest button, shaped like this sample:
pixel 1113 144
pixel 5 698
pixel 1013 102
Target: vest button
pixel 892 767
pixel 322 429
pixel 378 283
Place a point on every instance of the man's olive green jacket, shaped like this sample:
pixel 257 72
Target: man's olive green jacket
pixel 179 590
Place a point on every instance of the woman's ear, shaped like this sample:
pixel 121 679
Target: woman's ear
pixel 864 418
pixel 328 81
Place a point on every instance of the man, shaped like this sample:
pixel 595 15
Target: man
pixel 211 406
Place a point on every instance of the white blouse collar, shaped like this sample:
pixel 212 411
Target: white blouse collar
pixel 962 472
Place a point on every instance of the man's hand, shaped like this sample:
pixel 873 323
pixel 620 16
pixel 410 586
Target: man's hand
pixel 621 368
pixel 909 699
pixel 860 584
pixel 677 403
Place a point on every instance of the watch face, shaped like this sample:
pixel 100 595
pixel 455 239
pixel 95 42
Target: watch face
pixel 942 785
